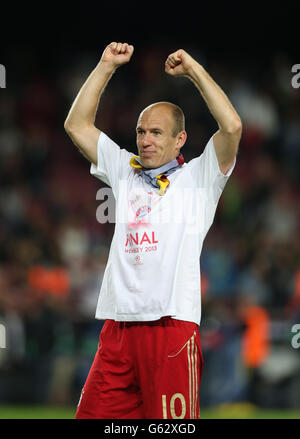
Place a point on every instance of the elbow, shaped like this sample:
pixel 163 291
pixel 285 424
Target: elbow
pixel 74 129
pixel 71 130
pixel 236 127
pixel 232 130
pixel 68 126
pixel 239 126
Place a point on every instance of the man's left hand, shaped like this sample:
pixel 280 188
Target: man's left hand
pixel 179 63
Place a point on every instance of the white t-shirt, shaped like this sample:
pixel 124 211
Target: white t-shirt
pixel 153 269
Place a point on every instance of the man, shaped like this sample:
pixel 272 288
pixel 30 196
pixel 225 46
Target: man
pixel 149 360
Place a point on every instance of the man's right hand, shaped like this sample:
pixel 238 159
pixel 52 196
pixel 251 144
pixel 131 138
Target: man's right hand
pixel 116 54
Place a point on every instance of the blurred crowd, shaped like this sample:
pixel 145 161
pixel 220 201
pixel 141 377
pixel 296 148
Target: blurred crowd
pixel 53 250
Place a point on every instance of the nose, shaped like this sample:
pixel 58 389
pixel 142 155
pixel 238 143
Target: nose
pixel 146 139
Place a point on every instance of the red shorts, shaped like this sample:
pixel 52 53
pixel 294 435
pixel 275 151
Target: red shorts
pixel 149 370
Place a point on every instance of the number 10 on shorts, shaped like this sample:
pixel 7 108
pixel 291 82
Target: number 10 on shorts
pixel 172 400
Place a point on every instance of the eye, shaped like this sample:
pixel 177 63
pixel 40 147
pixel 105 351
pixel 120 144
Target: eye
pixel 156 132
pixel 140 131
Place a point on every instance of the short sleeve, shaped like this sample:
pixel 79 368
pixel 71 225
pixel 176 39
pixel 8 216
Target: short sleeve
pixel 112 162
pixel 207 173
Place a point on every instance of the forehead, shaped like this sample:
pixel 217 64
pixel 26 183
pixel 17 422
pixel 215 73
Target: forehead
pixel 158 116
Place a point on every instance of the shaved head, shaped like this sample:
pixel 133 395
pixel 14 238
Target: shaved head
pixel 176 113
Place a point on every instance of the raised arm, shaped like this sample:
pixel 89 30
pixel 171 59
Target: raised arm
pixel 227 138
pixel 80 122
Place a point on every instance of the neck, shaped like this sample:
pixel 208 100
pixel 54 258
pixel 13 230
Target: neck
pixel 163 164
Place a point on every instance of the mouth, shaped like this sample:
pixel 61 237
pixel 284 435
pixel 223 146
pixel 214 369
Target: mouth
pixel 146 154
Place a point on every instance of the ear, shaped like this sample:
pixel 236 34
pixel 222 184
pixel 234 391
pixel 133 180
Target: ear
pixel 181 138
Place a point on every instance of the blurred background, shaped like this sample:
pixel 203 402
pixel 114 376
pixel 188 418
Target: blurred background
pixel 52 249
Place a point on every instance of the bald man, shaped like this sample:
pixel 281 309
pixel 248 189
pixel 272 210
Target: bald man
pixel 149 360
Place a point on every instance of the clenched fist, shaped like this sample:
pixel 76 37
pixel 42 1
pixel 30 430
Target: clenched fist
pixel 116 54
pixel 179 63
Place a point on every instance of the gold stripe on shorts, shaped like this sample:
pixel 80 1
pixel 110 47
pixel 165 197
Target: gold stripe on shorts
pixel 190 387
pixel 193 376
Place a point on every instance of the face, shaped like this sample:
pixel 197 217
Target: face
pixel 155 142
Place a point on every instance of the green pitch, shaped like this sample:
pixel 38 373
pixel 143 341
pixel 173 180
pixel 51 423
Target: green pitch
pixel 36 412
pixel 227 411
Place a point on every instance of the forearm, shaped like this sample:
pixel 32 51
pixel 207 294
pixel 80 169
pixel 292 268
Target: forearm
pixel 226 139
pixel 84 108
pixel 218 103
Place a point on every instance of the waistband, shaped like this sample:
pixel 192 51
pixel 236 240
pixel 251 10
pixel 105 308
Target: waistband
pixel 163 321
